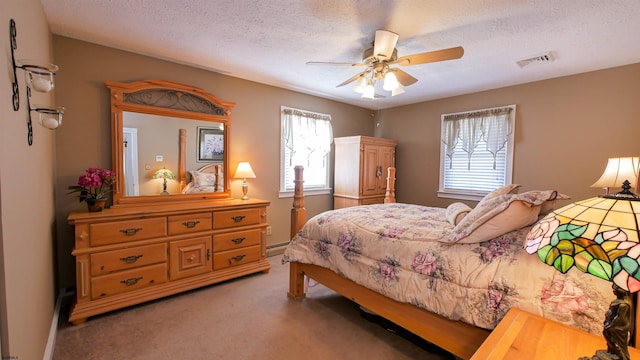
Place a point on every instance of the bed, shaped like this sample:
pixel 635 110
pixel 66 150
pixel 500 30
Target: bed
pixel 208 178
pixel 437 274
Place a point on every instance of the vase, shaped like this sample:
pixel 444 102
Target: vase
pixel 95 205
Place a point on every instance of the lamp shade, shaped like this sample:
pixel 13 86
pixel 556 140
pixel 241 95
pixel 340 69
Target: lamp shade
pixel 398 90
pixel 369 91
pixel 360 84
pixel 390 81
pixel 244 171
pixel 164 173
pixel 598 236
pixel 617 171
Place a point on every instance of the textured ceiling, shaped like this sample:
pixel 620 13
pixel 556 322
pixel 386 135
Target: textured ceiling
pixel 270 41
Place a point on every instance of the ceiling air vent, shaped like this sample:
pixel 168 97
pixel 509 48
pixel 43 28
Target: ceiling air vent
pixel 537 59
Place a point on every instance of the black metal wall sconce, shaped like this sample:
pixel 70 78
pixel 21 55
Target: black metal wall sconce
pixel 39 78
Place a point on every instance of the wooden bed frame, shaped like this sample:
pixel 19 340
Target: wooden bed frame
pixel 458 338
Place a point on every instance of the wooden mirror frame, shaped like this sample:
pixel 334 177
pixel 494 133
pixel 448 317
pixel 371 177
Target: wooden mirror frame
pixel 189 103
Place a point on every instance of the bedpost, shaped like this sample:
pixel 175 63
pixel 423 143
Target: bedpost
pixel 298 212
pixel 390 195
pixel 182 167
pixel 298 218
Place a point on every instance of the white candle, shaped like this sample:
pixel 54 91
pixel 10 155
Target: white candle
pixel 49 121
pixel 41 83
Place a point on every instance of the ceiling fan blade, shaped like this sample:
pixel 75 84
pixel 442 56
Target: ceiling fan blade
pixel 403 78
pixel 431 56
pixel 334 63
pixel 384 44
pixel 353 78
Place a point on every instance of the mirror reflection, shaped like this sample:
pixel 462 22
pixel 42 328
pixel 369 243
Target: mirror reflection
pixel 151 155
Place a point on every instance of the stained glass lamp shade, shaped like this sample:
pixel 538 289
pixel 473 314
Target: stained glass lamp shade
pixel 164 174
pixel 598 236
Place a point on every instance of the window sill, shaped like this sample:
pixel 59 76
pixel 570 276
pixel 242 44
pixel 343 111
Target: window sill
pixel 461 195
pixel 307 192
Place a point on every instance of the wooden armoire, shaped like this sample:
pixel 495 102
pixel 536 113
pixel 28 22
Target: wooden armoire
pixel 361 164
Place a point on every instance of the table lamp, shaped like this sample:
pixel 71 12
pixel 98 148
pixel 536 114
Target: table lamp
pixel 244 171
pixel 617 171
pixel 598 236
pixel 164 174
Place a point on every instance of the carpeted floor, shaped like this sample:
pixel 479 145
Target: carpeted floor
pixel 246 318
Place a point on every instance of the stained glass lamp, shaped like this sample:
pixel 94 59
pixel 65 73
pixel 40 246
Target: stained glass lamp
pixel 164 174
pixel 598 236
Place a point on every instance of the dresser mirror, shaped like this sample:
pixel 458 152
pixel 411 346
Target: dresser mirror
pixel 170 143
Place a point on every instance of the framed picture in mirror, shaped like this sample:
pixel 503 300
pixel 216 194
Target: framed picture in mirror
pixel 210 144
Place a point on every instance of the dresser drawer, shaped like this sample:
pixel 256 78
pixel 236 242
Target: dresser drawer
pixel 225 259
pixel 232 218
pixel 184 224
pixel 371 201
pixel 236 240
pixel 128 280
pixel 110 261
pixel 130 230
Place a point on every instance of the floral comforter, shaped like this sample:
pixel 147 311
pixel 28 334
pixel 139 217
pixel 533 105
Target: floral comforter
pixel 401 251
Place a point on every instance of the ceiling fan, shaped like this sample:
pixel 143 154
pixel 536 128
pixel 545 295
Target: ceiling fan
pixel 378 60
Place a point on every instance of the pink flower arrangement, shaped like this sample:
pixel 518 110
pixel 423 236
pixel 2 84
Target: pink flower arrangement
pixel 94 184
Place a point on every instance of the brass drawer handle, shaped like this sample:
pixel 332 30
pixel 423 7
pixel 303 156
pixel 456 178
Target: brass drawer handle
pixel 237 258
pixel 131 259
pixel 238 240
pixel 191 224
pixel 130 231
pixel 131 281
pixel 238 218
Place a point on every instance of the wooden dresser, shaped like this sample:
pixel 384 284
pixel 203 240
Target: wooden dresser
pixel 361 170
pixel 129 255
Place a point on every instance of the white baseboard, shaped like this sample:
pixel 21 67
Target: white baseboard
pixel 51 342
pixel 277 249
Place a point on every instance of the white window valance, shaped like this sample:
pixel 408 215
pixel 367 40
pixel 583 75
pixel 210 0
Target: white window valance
pixel 305 134
pixel 469 129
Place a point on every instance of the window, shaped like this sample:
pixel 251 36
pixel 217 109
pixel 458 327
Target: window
pixel 306 139
pixel 476 152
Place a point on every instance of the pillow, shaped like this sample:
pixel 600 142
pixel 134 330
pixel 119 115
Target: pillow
pixel 456 212
pixel 550 205
pixel 206 179
pixel 546 198
pixel 507 189
pixel 194 178
pixel 494 217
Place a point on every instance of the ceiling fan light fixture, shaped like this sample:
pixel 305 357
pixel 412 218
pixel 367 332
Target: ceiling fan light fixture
pixel 398 90
pixel 369 91
pixel 390 81
pixel 360 85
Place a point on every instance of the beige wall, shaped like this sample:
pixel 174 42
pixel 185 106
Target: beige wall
pixel 27 270
pixel 85 138
pixel 566 128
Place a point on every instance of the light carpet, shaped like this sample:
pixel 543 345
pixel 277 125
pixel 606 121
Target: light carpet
pixel 246 318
